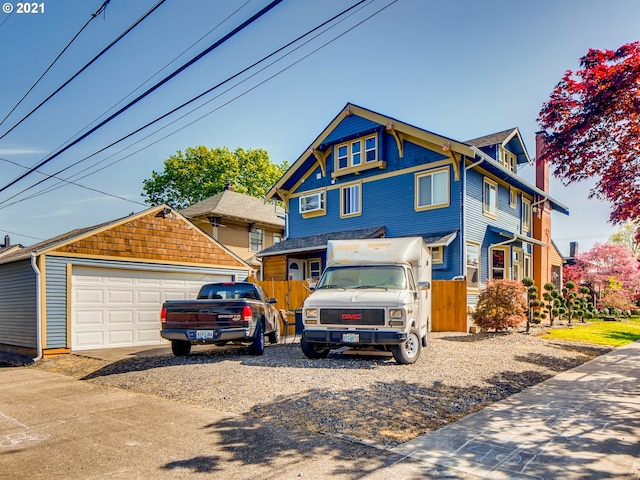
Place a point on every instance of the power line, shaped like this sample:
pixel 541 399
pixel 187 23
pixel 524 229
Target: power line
pixel 208 113
pixel 104 50
pixel 49 189
pixel 102 8
pixel 69 182
pixel 243 25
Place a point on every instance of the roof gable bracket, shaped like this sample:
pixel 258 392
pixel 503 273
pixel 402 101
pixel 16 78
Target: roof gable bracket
pixel 320 158
pixel 399 139
pixel 456 164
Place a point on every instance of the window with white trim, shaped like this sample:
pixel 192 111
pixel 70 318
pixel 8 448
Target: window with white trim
pixel 490 198
pixel 432 189
pixel 526 215
pixel 350 200
pixel 513 197
pixel 508 160
pixel 473 265
pixel 256 237
pixel 313 202
pixel 527 265
pixel 516 264
pixel 437 257
pixel 315 268
pixel 499 263
pixel 353 153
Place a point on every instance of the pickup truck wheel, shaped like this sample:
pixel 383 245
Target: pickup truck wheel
pixel 257 347
pixel 274 337
pixel 180 348
pixel 409 350
pixel 311 350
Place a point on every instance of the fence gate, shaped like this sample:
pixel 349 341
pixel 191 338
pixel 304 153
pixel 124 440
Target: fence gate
pixel 449 306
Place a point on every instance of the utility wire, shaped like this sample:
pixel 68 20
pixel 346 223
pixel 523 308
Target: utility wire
pixel 104 50
pixel 69 182
pixel 149 91
pixel 49 189
pixel 94 15
pixel 152 76
pixel 203 116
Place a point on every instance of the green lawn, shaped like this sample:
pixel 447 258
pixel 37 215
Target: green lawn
pixel 615 334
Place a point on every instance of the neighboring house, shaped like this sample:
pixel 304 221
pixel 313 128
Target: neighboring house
pixel 369 175
pixel 6 247
pixel 103 286
pixel 242 223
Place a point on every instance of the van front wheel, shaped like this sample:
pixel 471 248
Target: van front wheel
pixel 409 350
pixel 311 350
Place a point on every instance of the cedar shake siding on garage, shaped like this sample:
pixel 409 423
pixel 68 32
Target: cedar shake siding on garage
pixel 170 239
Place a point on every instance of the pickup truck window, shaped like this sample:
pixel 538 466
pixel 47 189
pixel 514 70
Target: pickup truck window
pixel 227 292
pixel 376 276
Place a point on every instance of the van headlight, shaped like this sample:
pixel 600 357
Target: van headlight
pixel 396 313
pixel 311 312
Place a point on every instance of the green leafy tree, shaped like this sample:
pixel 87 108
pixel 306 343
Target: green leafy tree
pixel 500 305
pixel 201 172
pixel 627 234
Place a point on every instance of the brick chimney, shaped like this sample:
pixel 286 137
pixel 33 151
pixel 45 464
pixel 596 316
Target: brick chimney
pixel 7 241
pixel 541 218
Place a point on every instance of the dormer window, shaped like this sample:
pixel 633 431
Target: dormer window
pixel 508 160
pixel 357 155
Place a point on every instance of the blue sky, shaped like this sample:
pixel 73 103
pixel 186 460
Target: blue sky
pixel 461 69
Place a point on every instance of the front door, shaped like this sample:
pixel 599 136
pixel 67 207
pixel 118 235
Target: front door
pixel 296 269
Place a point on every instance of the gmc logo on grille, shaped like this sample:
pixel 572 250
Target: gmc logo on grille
pixel 351 316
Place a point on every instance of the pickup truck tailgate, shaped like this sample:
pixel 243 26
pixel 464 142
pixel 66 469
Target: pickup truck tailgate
pixel 215 314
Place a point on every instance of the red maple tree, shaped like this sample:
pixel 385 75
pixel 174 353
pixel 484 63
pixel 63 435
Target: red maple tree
pixel 592 119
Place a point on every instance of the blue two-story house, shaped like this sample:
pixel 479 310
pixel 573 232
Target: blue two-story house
pixel 369 175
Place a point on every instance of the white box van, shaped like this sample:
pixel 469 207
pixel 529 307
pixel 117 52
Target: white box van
pixel 373 293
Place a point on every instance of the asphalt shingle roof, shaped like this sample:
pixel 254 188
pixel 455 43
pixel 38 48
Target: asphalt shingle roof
pixel 237 205
pixel 318 242
pixel 492 139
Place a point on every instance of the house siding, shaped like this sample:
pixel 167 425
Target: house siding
pixel 18 305
pixel 477 223
pixel 384 194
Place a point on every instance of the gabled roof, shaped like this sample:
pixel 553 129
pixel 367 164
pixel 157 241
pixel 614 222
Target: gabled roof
pixel 72 236
pixel 319 242
pixel 232 204
pixel 510 139
pixel 307 161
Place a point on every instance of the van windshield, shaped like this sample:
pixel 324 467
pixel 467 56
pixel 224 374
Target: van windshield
pixel 374 276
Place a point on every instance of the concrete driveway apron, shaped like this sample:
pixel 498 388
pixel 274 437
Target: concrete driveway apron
pixel 583 423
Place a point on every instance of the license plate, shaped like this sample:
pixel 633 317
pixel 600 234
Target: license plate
pixel 350 337
pixel 204 334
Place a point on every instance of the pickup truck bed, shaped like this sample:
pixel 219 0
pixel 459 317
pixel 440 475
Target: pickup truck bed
pixel 238 312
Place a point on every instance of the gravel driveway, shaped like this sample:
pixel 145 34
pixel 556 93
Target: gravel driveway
pixel 371 399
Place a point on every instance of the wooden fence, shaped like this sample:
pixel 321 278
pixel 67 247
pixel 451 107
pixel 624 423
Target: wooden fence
pixel 449 306
pixel 448 301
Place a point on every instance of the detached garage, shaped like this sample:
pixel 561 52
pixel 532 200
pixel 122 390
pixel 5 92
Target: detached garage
pixel 103 286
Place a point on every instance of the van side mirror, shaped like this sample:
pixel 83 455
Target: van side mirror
pixel 272 300
pixel 424 285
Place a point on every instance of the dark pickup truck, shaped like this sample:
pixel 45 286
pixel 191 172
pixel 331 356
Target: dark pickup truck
pixel 238 312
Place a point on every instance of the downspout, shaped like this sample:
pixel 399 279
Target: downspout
pixel 38 311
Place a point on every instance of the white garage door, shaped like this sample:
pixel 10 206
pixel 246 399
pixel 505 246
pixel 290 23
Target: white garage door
pixel 121 308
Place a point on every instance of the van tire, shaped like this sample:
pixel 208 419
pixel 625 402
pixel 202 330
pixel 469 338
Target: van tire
pixel 180 348
pixel 311 350
pixel 408 351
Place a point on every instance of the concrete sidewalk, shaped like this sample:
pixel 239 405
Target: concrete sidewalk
pixel 580 424
pixel 52 426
